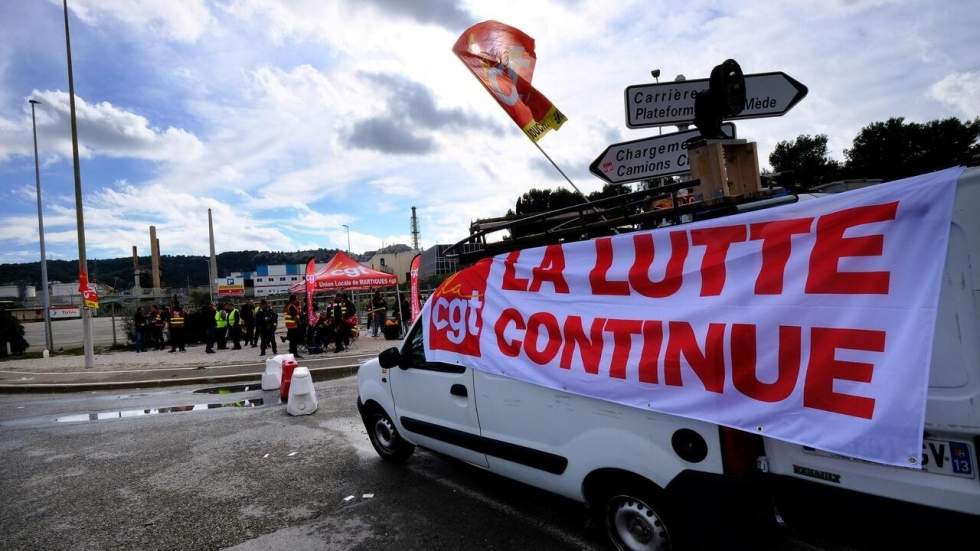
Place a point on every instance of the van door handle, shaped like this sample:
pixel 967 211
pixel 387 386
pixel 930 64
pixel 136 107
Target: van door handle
pixel 458 390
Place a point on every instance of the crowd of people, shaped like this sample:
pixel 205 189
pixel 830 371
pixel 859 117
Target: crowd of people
pixel 234 326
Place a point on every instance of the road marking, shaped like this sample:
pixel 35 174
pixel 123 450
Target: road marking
pixel 155 369
pixel 210 379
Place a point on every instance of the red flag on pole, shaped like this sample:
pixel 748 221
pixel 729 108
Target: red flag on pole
pixel 502 59
pixel 90 297
pixel 310 285
pixel 416 303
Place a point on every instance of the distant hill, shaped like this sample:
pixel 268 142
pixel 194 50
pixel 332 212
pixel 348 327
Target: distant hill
pixel 175 270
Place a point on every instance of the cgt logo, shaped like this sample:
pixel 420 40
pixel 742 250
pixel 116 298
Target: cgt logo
pixel 456 319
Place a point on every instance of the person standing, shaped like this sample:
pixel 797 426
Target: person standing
pixel 248 322
pixel 209 322
pixel 405 315
pixel 176 327
pixel 139 328
pixel 221 326
pixel 342 313
pixel 294 333
pixel 265 323
pixel 235 326
pixel 379 308
pixel 156 327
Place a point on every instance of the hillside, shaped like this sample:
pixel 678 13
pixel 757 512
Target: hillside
pixel 175 270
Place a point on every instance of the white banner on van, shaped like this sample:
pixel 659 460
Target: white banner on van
pixel 811 322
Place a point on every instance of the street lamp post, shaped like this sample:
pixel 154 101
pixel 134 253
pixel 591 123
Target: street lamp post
pixel 346 227
pixel 82 261
pixel 46 301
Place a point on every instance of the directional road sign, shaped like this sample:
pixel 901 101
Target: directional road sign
pixel 766 95
pixel 648 158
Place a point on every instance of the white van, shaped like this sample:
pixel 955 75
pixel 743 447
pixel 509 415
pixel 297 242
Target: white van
pixel 658 480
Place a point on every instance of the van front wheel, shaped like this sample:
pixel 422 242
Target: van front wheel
pixel 634 523
pixel 385 438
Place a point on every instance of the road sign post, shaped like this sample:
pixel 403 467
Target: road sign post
pixel 669 103
pixel 652 157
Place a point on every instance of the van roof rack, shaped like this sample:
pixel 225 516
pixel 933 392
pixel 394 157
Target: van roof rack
pixel 626 212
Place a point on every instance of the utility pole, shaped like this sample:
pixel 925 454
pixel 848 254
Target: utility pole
pixel 346 227
pixel 46 300
pixel 82 261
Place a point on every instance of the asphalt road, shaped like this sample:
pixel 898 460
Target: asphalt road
pixel 96 471
pixel 68 333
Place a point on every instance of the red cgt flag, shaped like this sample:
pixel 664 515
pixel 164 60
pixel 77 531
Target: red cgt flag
pixel 89 297
pixel 502 59
pixel 310 279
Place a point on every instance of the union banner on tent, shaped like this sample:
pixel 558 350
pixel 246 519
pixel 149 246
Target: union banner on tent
pixel 344 273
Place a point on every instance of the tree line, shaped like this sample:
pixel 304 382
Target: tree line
pixel 886 150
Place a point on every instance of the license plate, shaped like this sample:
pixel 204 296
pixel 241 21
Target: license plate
pixel 946 457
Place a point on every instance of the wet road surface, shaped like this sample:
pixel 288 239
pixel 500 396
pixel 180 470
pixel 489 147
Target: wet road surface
pixel 162 470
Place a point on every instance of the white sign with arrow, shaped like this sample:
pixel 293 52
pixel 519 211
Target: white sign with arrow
pixel 648 158
pixel 766 95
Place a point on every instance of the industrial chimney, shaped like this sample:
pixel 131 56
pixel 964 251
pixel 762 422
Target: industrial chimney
pixel 155 259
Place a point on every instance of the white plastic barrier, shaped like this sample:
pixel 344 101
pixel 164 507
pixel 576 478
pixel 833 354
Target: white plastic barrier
pixel 302 395
pixel 273 371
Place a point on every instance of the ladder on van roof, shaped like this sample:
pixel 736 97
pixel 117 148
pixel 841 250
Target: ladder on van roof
pixel 644 209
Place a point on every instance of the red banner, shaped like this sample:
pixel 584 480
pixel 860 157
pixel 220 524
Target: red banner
pixel 416 303
pixel 502 59
pixel 310 285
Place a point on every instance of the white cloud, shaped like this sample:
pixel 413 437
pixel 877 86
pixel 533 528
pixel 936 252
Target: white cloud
pixel 179 20
pixel 280 88
pixel 961 90
pixel 103 129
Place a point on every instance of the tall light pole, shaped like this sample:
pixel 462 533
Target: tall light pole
pixel 656 74
pixel 46 301
pixel 346 227
pixel 82 261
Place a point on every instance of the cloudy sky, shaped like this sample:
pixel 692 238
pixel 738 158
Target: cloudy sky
pixel 291 118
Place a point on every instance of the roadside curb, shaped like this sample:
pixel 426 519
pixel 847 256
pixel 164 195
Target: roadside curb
pixel 318 373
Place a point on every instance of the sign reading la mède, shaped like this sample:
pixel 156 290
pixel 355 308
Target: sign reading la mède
pixel 766 95
pixel 648 158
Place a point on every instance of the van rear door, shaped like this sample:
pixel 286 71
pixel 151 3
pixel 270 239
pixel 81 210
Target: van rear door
pixel 949 478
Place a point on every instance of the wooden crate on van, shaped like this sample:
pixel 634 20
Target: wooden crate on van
pixel 726 168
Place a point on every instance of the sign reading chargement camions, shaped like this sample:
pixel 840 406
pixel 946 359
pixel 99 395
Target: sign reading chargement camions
pixel 648 158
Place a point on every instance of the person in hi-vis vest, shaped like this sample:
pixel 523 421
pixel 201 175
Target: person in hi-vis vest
pixel 176 323
pixel 221 325
pixel 292 318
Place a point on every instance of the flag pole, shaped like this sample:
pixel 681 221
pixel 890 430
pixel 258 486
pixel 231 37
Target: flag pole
pixel 569 180
pixel 560 171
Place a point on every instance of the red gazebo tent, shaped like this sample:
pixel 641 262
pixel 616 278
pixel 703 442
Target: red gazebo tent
pixel 344 273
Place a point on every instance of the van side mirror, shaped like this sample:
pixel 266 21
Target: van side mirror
pixel 390 358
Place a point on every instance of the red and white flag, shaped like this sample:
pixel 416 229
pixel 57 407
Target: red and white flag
pixel 502 59
pixel 416 304
pixel 89 296
pixel 310 286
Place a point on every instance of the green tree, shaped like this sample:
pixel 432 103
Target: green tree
pixel 804 162
pixel 896 149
